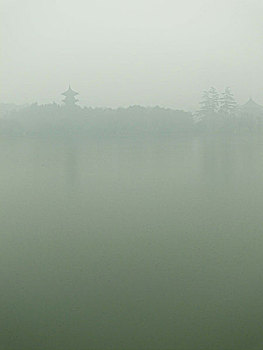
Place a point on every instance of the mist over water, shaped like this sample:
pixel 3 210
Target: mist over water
pixel 131 207
pixel 131 243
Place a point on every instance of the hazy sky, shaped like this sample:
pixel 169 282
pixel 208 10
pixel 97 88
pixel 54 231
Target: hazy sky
pixel 117 52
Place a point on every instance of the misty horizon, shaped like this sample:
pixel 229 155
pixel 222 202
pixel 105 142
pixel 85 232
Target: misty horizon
pixel 131 183
pixel 138 53
pixel 78 103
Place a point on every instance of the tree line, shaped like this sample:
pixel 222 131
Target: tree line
pixel 221 111
pixel 218 112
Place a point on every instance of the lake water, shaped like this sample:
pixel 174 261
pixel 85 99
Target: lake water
pixel 128 244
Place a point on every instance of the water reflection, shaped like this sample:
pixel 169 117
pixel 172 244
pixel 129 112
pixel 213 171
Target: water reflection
pixel 131 244
pixel 71 152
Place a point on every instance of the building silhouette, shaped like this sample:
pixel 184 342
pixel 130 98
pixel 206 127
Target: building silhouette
pixel 252 108
pixel 251 114
pixel 70 99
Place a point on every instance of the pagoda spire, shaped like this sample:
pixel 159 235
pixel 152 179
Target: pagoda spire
pixel 70 99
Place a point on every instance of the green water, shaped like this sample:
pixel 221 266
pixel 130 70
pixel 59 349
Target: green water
pixel 131 244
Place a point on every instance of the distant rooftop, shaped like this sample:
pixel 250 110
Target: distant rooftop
pixel 251 104
pixel 70 92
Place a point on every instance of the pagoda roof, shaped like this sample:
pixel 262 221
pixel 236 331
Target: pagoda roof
pixel 252 105
pixel 70 92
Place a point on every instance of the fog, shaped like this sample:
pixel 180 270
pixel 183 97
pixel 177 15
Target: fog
pixel 120 53
pixel 131 206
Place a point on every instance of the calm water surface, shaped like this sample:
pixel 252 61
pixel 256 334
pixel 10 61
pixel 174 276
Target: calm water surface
pixel 131 244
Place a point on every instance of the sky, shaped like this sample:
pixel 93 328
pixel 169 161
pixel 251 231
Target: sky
pixel 133 52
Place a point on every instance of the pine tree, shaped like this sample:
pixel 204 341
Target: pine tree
pixel 209 105
pixel 228 104
pixel 205 104
pixel 210 102
pixel 214 97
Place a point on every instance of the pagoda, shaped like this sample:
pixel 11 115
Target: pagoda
pixel 252 114
pixel 70 99
pixel 252 108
